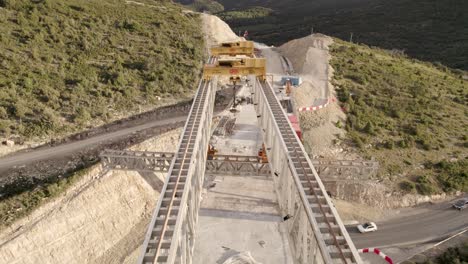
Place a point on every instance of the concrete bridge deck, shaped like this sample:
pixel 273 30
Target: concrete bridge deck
pixel 240 213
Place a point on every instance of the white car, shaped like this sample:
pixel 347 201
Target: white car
pixel 367 227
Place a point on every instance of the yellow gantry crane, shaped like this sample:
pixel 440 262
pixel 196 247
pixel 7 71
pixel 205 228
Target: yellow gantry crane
pixel 235 59
pixel 235 66
pixel 234 48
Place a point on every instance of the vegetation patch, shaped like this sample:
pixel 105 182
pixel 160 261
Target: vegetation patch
pixel 453 255
pixel 69 65
pixel 20 205
pixel 250 13
pixel 410 115
pixel 206 6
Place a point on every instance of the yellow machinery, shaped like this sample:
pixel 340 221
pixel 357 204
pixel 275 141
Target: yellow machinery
pixel 262 155
pixel 234 48
pixel 288 87
pixel 211 152
pixel 236 66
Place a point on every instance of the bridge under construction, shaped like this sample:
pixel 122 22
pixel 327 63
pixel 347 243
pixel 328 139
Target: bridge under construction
pixel 313 230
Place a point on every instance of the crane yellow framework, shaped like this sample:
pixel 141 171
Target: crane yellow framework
pixel 235 62
pixel 234 48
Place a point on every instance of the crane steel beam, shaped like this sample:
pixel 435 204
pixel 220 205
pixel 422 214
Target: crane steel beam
pixel 234 48
pixel 316 233
pixel 237 165
pixel 170 235
pixel 234 66
pixel 345 169
pixel 146 161
pixel 136 160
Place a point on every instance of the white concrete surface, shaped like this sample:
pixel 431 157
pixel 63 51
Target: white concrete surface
pixel 246 138
pixel 240 213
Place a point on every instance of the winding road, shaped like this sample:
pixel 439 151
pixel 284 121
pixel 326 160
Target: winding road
pixel 45 153
pixel 423 224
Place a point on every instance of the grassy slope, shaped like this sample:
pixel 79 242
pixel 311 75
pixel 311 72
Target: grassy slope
pixel 410 115
pixel 431 30
pixel 66 65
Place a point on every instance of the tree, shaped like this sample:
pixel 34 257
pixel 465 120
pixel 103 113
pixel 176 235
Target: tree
pixel 3 113
pixel 20 109
pixel 369 128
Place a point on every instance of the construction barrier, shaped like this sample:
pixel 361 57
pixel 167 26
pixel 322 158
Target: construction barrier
pixel 314 108
pixel 376 251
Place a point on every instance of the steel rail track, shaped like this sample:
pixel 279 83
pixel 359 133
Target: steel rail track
pixel 161 230
pixel 319 204
pixel 167 214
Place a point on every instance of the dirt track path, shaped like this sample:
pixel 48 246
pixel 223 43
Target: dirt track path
pixel 25 158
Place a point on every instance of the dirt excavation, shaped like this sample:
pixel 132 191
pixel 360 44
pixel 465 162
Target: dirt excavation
pixel 309 57
pixel 216 31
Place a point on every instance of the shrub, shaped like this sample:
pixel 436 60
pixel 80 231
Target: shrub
pixel 407 186
pixel 338 124
pixel 369 128
pixel 453 175
pixel 358 78
pixel 389 144
pixel 454 255
pixel 425 185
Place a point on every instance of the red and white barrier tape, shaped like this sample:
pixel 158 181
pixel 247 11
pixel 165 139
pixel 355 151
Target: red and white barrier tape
pixel 376 251
pixel 314 108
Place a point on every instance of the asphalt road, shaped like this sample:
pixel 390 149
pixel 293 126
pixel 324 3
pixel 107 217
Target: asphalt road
pixel 25 158
pixel 423 225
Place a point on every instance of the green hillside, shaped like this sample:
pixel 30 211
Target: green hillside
pixel 430 30
pixel 67 65
pixel 210 6
pixel 410 115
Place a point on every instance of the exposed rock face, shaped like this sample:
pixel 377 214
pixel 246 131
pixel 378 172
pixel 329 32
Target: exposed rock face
pixel 101 219
pixel 216 30
pixel 102 213
pixel 376 194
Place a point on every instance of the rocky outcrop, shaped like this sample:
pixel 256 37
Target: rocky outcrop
pixel 376 194
pixel 100 219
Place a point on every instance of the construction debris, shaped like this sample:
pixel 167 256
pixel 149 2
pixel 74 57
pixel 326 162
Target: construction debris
pixel 225 126
pixel 241 258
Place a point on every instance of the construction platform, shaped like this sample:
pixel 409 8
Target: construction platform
pixel 240 213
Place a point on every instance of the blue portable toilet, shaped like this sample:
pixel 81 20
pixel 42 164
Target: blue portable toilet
pixel 295 80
